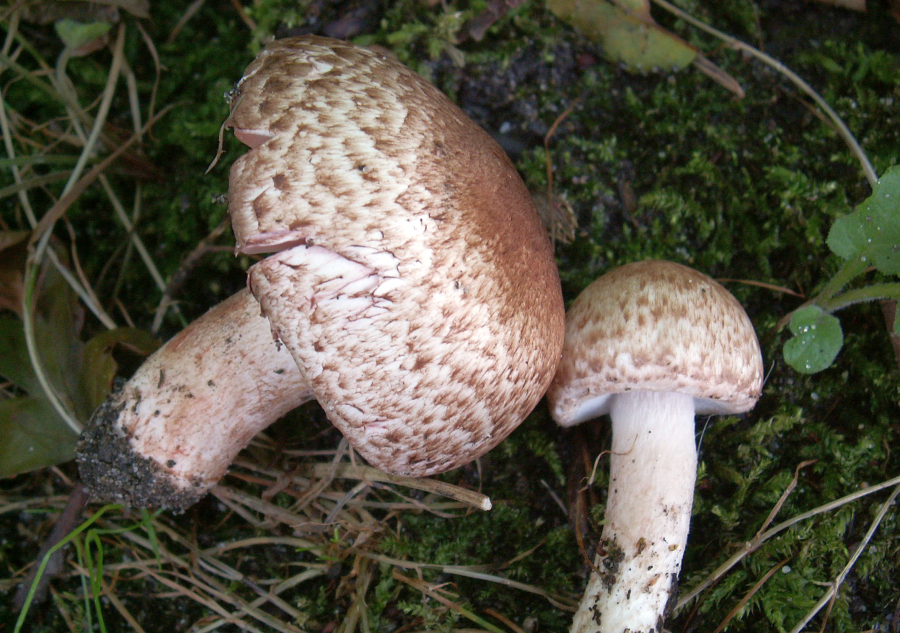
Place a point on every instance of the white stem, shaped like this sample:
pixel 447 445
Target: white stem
pixel 651 491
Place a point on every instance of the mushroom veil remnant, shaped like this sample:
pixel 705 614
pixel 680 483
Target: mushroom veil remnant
pixel 409 277
pixel 650 344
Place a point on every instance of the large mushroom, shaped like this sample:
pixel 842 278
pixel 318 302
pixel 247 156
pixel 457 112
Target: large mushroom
pixel 411 280
pixel 651 344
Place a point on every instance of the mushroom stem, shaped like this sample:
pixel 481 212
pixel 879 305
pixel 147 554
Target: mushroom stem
pixel 651 487
pixel 172 430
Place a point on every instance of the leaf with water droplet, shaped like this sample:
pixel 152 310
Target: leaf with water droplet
pixel 816 342
pixel 872 231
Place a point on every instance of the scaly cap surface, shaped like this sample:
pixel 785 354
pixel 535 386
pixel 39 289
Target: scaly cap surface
pixel 412 280
pixel 656 326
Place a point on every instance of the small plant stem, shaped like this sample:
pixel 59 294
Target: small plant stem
pixel 737 44
pixel 874 292
pixel 851 269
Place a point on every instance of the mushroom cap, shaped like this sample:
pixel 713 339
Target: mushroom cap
pixel 411 278
pixel 656 326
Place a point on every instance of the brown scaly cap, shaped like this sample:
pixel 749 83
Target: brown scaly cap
pixel 657 326
pixel 412 282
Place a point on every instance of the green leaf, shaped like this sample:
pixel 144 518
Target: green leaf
pixel 816 342
pixel 76 34
pixel 14 363
pixel 872 231
pixel 101 367
pixel 33 436
pixel 32 432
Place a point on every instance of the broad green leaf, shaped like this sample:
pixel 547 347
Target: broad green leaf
pixel 32 433
pixel 816 342
pixel 872 231
pixel 14 363
pixel 32 436
pixel 628 36
pixel 57 330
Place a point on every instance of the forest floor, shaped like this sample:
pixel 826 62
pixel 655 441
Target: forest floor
pixel 663 165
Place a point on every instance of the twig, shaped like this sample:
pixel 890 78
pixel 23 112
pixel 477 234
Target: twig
pixel 367 473
pixel 784 495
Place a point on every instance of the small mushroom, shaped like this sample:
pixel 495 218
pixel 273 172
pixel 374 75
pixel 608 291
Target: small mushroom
pixel 409 277
pixel 651 344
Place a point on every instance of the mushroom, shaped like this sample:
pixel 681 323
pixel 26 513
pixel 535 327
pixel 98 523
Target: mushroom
pixel 409 277
pixel 651 344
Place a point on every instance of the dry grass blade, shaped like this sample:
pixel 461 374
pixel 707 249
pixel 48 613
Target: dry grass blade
pixel 836 583
pixel 752 545
pixel 477 572
pixel 740 605
pixel 433 593
pixel 369 474
pixel 233 497
pixel 203 588
pixel 784 496
pixel 762 284
pixel 561 224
